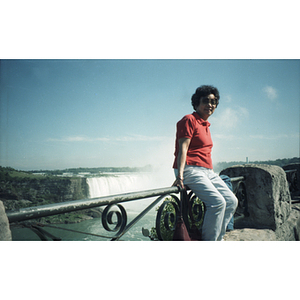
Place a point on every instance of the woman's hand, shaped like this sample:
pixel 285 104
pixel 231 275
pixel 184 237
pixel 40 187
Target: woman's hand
pixel 178 182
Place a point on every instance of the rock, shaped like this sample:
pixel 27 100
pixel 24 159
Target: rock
pixel 250 234
pixel 5 233
pixel 290 230
pixel 268 196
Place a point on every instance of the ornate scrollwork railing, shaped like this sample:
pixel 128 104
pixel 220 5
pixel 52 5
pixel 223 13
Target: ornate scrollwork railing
pixel 107 218
pixel 114 216
pixel 168 212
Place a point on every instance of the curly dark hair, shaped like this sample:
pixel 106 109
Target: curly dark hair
pixel 202 91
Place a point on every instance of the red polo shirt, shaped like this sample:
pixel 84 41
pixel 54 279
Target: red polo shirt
pixel 197 130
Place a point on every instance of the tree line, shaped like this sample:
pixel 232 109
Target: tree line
pixel 76 171
pixel 6 172
pixel 278 162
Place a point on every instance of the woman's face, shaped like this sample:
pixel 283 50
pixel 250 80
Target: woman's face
pixel 207 106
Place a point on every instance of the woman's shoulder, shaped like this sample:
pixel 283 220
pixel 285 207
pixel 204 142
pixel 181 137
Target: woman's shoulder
pixel 189 118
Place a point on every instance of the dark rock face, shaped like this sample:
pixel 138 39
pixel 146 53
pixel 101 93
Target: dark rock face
pixel 5 234
pixel 16 194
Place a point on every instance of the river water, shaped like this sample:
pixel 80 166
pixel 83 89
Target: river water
pixel 103 186
pixel 93 226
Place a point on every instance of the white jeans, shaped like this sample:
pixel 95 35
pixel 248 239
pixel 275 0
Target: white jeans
pixel 219 200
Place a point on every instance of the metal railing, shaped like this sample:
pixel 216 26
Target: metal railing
pixel 115 221
pixel 34 212
pixel 292 178
pixel 120 226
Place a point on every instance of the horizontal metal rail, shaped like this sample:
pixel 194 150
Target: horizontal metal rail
pixel 234 179
pixel 35 212
pixel 290 171
pixel 120 225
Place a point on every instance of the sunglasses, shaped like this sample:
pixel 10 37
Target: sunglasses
pixel 207 100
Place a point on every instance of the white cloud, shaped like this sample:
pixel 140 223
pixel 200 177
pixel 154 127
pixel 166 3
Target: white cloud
pixel 275 137
pixel 227 98
pixel 270 92
pixel 230 118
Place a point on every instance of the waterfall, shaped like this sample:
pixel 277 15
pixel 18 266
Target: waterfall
pixel 119 183
pixel 111 184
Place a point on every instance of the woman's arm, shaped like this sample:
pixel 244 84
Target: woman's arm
pixel 181 160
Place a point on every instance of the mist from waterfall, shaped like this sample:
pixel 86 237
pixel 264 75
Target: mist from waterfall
pixel 119 183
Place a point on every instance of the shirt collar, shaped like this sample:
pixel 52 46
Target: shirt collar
pixel 200 120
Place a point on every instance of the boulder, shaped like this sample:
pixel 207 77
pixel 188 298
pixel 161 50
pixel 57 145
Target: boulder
pixel 268 196
pixel 5 233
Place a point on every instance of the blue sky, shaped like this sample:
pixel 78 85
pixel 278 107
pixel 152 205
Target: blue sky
pixel 105 84
pixel 57 114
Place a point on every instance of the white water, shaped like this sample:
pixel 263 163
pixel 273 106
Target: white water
pixel 119 183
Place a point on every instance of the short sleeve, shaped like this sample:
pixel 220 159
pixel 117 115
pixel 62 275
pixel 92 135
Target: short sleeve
pixel 185 127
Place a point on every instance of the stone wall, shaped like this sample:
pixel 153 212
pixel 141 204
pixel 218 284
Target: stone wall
pixel 268 196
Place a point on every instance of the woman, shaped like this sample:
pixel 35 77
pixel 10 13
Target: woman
pixel 193 164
